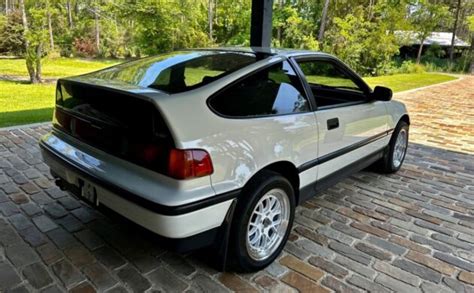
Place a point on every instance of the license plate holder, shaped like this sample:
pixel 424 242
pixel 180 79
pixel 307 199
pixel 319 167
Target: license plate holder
pixel 88 192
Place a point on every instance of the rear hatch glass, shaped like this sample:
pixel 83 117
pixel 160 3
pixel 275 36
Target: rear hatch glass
pixel 178 71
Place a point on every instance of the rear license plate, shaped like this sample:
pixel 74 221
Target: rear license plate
pixel 88 192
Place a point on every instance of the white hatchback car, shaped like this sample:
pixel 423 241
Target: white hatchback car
pixel 218 146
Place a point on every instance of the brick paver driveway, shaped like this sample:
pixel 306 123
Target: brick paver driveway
pixel 409 232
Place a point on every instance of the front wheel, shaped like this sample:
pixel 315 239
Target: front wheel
pixel 262 222
pixel 397 149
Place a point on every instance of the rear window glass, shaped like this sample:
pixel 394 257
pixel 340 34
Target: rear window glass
pixel 178 71
pixel 275 90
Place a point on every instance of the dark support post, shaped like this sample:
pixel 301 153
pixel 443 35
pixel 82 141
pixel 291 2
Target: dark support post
pixel 261 27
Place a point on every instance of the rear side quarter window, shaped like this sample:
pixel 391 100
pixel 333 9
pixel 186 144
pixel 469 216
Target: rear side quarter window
pixel 275 90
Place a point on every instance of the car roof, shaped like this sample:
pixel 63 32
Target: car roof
pixel 266 51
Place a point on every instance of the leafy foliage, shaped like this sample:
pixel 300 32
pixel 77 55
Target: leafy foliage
pixel 360 32
pixel 367 46
pixel 11 34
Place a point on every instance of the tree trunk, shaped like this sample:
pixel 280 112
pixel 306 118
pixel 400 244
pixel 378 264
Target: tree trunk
pixel 471 54
pixel 39 52
pixel 50 30
pixel 97 30
pixel 323 21
pixel 420 50
pixel 210 18
pixel 6 6
pixel 29 62
pixel 215 11
pixel 24 20
pixel 69 14
pixel 453 38
pixel 279 30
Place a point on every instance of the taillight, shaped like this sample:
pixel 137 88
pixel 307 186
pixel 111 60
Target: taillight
pixel 184 164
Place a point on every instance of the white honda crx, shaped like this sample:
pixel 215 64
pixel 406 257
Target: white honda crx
pixel 218 146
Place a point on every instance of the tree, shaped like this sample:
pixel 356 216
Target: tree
pixel 232 27
pixel 34 39
pixel 11 34
pixel 470 21
pixel 69 14
pixel 49 13
pixel 366 46
pixel 453 38
pixel 358 31
pixel 164 26
pixel 294 31
pixel 426 18
pixel 210 17
pixel 323 21
pixel 97 28
pixel 29 63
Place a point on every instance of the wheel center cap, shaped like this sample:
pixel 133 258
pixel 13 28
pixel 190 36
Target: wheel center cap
pixel 266 222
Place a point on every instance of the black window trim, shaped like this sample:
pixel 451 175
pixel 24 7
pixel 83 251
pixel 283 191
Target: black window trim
pixel 344 68
pixel 278 59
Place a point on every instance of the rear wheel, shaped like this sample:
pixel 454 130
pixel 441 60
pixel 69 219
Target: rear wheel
pixel 262 222
pixel 397 149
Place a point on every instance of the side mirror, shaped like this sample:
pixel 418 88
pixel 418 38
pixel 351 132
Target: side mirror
pixel 381 93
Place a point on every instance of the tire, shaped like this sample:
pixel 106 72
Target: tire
pixel 267 189
pixel 393 159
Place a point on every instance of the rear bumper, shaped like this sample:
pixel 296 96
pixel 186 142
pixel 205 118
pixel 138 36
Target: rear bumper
pixel 176 222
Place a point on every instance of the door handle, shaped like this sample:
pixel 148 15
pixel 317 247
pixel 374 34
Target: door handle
pixel 333 123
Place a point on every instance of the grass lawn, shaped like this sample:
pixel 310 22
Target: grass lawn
pixel 403 82
pixel 58 67
pixel 22 103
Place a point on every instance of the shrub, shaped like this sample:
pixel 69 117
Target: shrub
pixel 12 41
pixel 460 64
pixel 409 66
pixel 84 47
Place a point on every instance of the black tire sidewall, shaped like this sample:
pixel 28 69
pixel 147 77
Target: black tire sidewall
pixel 251 196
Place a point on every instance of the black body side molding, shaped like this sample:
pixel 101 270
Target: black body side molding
pixel 343 151
pixel 318 186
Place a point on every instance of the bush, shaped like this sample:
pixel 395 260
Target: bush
pixel 12 41
pixel 84 47
pixel 459 65
pixel 411 67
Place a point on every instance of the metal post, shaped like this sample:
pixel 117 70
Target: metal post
pixel 261 26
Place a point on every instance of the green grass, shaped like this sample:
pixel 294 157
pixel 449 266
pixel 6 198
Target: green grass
pixel 22 103
pixel 58 67
pixel 403 82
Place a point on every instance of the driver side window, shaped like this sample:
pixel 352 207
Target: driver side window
pixel 330 84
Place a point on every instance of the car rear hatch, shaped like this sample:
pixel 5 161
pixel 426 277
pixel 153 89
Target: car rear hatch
pixel 117 121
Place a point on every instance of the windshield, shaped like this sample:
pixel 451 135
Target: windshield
pixel 178 71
